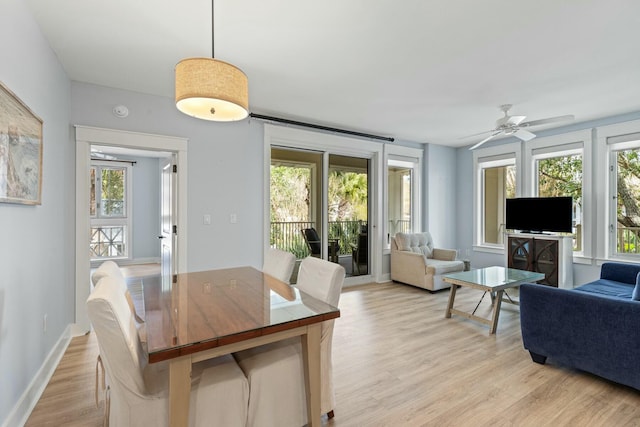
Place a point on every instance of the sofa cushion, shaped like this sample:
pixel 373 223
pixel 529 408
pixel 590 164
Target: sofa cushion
pixel 635 295
pixel 420 243
pixel 608 287
pixel 437 267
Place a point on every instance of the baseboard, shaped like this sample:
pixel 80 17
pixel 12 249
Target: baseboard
pixel 21 411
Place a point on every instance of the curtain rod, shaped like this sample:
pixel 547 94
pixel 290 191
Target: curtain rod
pixel 98 159
pixel 327 128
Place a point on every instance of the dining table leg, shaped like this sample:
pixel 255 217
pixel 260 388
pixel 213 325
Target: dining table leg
pixel 179 391
pixel 311 356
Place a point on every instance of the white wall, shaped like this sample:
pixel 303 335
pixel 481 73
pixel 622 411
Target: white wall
pixel 146 208
pixel 36 243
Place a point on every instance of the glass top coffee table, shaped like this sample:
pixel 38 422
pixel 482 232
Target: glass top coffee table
pixel 494 280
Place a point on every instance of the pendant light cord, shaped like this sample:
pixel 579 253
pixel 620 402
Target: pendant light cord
pixel 212 32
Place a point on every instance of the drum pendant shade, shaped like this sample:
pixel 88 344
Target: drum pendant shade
pixel 209 89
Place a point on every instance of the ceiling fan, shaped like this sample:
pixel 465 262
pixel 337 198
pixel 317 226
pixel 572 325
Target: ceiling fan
pixel 514 125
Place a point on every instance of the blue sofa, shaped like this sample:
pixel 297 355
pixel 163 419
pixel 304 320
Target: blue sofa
pixel 593 328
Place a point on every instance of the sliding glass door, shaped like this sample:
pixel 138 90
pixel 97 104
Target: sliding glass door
pixel 318 211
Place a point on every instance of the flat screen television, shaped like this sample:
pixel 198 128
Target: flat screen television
pixel 540 214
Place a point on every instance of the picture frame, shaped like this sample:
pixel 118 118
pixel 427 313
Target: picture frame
pixel 21 149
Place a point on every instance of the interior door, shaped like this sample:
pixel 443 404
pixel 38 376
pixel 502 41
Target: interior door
pixel 167 218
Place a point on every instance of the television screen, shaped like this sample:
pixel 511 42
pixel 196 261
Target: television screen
pixel 540 214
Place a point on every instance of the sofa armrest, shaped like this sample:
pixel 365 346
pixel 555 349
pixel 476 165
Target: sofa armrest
pixel 620 272
pixel 594 333
pixel 444 254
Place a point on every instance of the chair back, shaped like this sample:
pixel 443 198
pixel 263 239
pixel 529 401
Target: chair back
pixel 313 240
pixel 107 268
pixel 279 264
pixel 363 248
pixel 115 329
pixel 321 279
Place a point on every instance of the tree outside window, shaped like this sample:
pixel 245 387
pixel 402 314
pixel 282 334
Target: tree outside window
pixel 627 201
pixel 562 176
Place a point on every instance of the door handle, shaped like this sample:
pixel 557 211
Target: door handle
pixel 161 237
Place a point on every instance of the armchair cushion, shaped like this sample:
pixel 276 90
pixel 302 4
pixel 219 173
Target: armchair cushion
pixel 415 242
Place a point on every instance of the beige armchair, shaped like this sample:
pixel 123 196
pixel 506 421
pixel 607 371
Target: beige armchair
pixel 416 262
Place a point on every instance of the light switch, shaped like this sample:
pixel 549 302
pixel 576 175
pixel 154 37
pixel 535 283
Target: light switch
pixel 206 219
pixel 233 218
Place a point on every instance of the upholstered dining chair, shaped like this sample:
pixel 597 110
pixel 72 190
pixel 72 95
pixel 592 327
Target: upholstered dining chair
pixel 138 394
pixel 279 264
pixel 276 371
pixel 110 268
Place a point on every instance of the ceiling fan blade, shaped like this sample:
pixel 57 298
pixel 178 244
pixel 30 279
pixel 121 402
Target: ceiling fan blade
pixel 477 134
pixel 549 120
pixel 515 120
pixel 493 135
pixel 524 135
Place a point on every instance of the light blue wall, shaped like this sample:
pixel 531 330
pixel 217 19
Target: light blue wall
pixel 225 173
pixel 439 193
pixel 36 242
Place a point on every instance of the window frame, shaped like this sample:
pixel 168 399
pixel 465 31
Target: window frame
pixel 126 220
pixel 410 158
pixel 557 146
pixel 484 158
pixel 615 144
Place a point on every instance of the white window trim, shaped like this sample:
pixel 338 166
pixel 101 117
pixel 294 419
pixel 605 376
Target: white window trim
pixel 412 156
pixel 491 156
pixel 126 220
pixel 605 187
pixel 559 145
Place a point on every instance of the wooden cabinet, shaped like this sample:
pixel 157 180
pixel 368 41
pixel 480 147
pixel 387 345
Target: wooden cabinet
pixel 548 254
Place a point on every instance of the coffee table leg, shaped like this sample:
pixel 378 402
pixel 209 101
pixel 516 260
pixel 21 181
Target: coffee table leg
pixel 452 297
pixel 497 302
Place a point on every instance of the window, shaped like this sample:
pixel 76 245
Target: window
pixel 403 175
pixel 291 195
pixel 625 208
pixel 400 177
pixel 109 206
pixel 495 180
pixel 558 172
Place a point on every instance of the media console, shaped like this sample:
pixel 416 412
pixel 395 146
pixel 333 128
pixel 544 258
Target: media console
pixel 550 254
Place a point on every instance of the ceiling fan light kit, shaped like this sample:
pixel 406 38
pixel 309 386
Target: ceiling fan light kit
pixel 210 89
pixel 513 125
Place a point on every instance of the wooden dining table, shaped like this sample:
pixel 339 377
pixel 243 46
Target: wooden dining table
pixel 195 316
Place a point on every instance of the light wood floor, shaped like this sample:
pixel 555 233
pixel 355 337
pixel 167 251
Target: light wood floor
pixel 399 362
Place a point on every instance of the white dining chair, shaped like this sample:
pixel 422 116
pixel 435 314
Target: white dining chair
pixel 138 394
pixel 279 264
pixel 276 372
pixel 111 269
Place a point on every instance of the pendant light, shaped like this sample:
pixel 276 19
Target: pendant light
pixel 210 89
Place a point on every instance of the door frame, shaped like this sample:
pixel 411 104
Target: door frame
pixel 87 136
pixel 327 143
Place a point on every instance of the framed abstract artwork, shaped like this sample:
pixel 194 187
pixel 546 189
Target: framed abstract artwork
pixel 20 151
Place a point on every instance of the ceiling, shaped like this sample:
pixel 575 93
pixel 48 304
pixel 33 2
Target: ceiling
pixel 428 71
